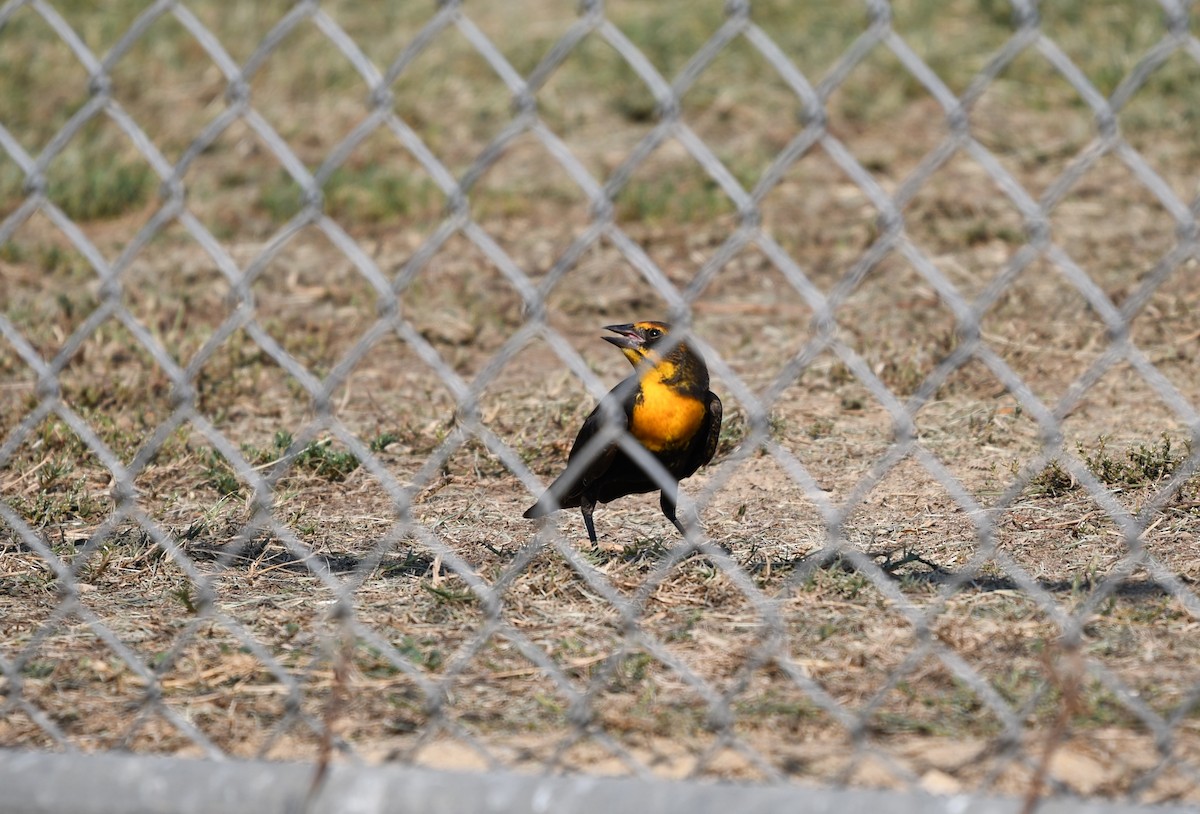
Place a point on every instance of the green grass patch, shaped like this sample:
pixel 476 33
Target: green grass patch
pixel 421 652
pixel 99 174
pixel 90 185
pixel 318 458
pixel 73 504
pixel 681 194
pixel 322 460
pixel 356 196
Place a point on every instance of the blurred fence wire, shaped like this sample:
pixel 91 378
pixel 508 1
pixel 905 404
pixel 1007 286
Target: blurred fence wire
pixel 1068 664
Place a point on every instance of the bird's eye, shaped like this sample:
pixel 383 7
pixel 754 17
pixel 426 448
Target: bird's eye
pixel 653 333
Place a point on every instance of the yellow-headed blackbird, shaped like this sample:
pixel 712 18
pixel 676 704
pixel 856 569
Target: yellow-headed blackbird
pixel 667 407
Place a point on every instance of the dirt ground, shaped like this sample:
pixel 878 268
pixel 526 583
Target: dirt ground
pixel 932 659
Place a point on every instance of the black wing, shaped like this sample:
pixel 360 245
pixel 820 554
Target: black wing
pixel 715 413
pixel 568 487
pixel 704 445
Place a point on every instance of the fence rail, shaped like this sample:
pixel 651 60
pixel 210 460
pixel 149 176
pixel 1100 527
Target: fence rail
pixel 300 311
pixel 45 783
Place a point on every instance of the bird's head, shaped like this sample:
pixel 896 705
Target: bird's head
pixel 642 341
pixel 648 346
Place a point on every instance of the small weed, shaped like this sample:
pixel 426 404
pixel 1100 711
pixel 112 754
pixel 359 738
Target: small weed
pixel 1142 464
pixel 570 647
pixel 901 375
pixel 1104 466
pixel 982 425
pixel 318 457
pixel 322 460
pixel 96 570
pixel 852 584
pixel 643 550
pixel 839 374
pixel 183 594
pixel 40 669
pixel 1017 684
pixel 380 442
pixel 1152 462
pixel 683 632
pixel 420 652
pixel 53 472
pixel 635 667
pixel 53 508
pixel 219 475
pixel 449 595
pixel 1053 481
pixel 550 703
pixel 776 427
pixel 838 577
pixel 819 428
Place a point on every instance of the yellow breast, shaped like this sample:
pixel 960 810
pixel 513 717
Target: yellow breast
pixel 664 419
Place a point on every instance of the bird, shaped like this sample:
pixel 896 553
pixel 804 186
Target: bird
pixel 666 406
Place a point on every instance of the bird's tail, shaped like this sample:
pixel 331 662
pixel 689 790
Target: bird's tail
pixel 554 499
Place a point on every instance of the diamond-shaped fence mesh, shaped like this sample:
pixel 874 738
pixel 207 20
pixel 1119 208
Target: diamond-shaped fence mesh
pixel 302 307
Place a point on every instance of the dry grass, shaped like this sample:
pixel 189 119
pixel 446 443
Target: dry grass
pixel 920 721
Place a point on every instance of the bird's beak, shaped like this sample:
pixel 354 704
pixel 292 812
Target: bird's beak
pixel 627 339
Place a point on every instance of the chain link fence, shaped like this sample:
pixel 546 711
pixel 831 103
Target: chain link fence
pixel 267 432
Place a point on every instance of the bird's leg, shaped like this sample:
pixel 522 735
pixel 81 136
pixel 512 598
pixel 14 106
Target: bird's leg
pixel 667 500
pixel 587 505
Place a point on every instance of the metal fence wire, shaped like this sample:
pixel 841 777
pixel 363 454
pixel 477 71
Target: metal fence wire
pixel 986 650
